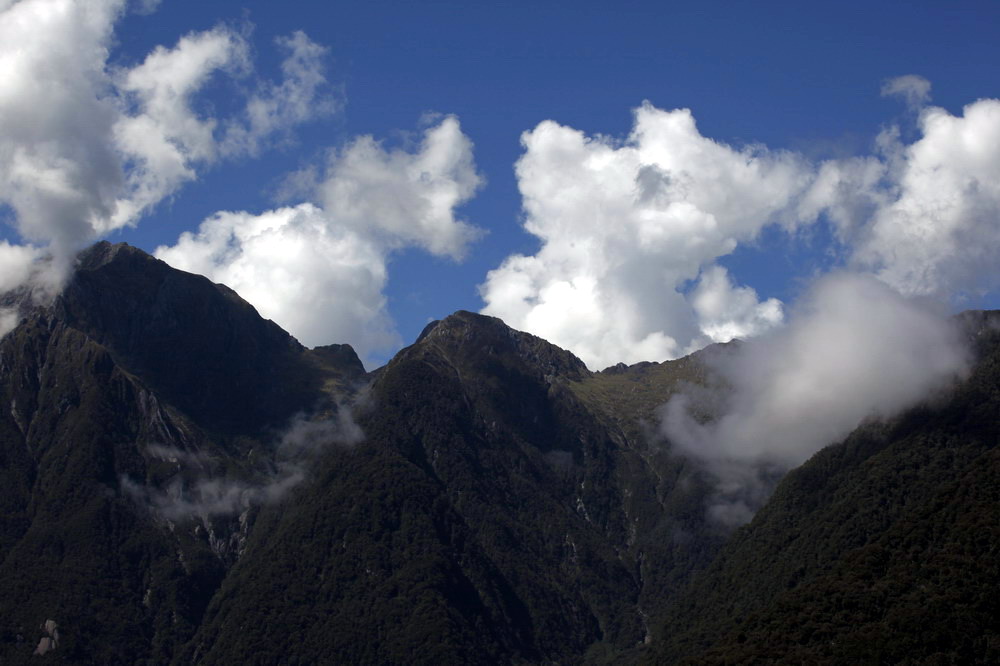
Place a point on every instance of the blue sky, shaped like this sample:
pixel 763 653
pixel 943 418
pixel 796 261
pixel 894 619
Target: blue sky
pixel 796 77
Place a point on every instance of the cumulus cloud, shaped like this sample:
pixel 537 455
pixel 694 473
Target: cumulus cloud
pixel 165 139
pixel 319 269
pixel 625 225
pixel 726 312
pixel 406 198
pixel 917 224
pixel 86 148
pixel 320 281
pixel 854 349
pixel 935 232
pixel 59 171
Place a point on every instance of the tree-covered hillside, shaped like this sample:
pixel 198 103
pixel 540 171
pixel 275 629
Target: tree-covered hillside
pixel 182 482
pixel 880 549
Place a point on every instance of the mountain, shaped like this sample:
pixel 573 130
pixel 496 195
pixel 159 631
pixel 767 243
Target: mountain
pixel 879 549
pixel 134 366
pixel 185 483
pixel 161 502
pixel 490 516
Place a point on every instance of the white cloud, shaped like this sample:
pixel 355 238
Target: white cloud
pixel 58 170
pixel 726 312
pixel 86 148
pixel 916 90
pixel 314 277
pixel 8 320
pixel 319 270
pixel 165 138
pixel 855 349
pixel 936 231
pixel 625 225
pixel 406 198
pixel 194 492
pixel 16 264
pixel 922 219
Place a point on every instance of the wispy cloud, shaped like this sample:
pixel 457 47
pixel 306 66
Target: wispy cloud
pixel 916 90
pixel 199 491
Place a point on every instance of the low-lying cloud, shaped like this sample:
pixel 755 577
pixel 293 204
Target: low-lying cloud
pixel 853 349
pixel 199 491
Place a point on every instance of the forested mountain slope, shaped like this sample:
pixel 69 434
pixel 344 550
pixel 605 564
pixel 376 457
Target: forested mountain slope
pixel 880 549
pixel 184 483
pixel 137 380
pixel 183 486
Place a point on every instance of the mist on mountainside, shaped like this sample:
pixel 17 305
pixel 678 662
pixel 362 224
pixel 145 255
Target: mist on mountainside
pixel 853 349
pixel 202 488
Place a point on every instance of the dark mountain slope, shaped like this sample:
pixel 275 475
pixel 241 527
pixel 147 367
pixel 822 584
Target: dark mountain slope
pixel 134 384
pixel 183 483
pixel 880 549
pixel 74 547
pixel 665 494
pixel 199 345
pixel 480 522
pixel 490 514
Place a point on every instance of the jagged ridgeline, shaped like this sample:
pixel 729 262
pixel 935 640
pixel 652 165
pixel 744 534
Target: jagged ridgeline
pixel 182 482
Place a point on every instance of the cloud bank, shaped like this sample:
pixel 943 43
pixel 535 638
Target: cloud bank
pixel 624 225
pixel 934 229
pixel 319 269
pixel 87 147
pixel 631 230
pixel 630 237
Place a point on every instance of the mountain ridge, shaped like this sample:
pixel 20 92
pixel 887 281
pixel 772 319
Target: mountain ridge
pixel 186 483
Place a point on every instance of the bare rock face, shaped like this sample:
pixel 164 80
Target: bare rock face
pixel 50 641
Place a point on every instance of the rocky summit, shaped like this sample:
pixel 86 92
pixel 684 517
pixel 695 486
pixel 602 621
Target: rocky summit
pixel 183 482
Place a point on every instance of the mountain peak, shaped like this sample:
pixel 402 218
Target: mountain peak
pixel 468 333
pixel 205 349
pixel 104 252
